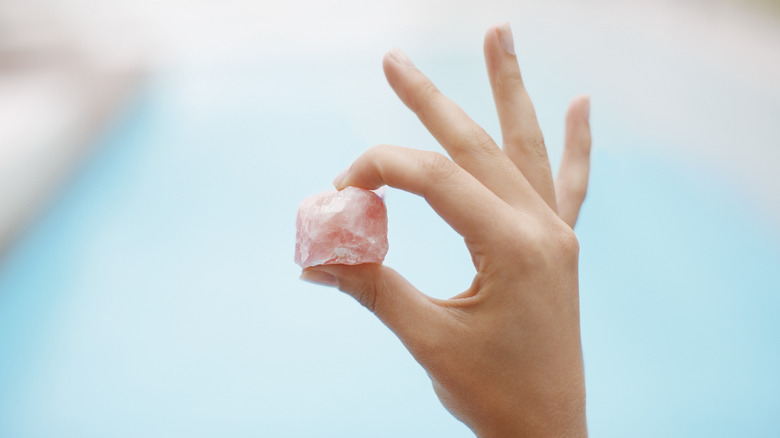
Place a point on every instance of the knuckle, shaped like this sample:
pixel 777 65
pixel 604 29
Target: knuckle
pixel 579 192
pixel 438 166
pixel 509 81
pixel 366 295
pixel 586 141
pixel 427 90
pixel 539 247
pixel 531 146
pixel 374 152
pixel 561 244
pixel 566 241
pixel 483 143
pixel 422 94
pixel 371 290
pixel 574 191
pixel 519 245
pixel 537 149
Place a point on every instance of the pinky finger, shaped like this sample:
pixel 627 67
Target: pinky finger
pixel 571 184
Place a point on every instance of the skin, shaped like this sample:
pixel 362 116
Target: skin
pixel 504 356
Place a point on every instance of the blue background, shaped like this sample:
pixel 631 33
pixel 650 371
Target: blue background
pixel 157 295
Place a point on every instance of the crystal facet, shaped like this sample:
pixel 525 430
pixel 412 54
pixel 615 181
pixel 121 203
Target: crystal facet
pixel 348 227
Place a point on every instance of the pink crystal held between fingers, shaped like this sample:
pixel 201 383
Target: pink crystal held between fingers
pixel 348 227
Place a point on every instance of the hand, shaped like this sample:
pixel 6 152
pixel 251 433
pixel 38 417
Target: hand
pixel 505 355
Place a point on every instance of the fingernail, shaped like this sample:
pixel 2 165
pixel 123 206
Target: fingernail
pixel 319 277
pixel 381 192
pixel 340 178
pixel 505 37
pixel 400 57
pixel 587 107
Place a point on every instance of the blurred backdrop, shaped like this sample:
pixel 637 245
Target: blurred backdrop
pixel 153 153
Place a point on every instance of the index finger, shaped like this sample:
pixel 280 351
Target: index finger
pixel 470 208
pixel 465 141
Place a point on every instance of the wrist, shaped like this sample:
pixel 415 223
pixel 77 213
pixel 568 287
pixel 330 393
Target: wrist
pixel 554 413
pixel 570 427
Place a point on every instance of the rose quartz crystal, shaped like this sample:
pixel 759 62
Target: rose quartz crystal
pixel 348 227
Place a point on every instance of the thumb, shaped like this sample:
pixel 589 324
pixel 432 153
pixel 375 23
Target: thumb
pixel 399 305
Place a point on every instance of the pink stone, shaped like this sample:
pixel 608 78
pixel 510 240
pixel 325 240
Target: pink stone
pixel 348 227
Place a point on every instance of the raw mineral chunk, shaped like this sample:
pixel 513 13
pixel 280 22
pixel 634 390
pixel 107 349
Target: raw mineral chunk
pixel 348 227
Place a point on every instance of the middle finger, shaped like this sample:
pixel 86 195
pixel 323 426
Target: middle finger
pixel 523 140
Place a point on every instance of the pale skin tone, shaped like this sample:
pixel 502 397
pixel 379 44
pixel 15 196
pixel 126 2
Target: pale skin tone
pixel 504 356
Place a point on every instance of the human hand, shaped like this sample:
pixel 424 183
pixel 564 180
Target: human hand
pixel 505 355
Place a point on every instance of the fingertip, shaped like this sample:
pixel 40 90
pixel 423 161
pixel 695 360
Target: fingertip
pixel 498 44
pixel 492 32
pixel 387 60
pixel 390 66
pixel 348 275
pixel 584 100
pixel 397 57
pixel 579 109
pixel 339 181
pixel 398 70
pixel 358 281
pixel 505 37
pixel 319 277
